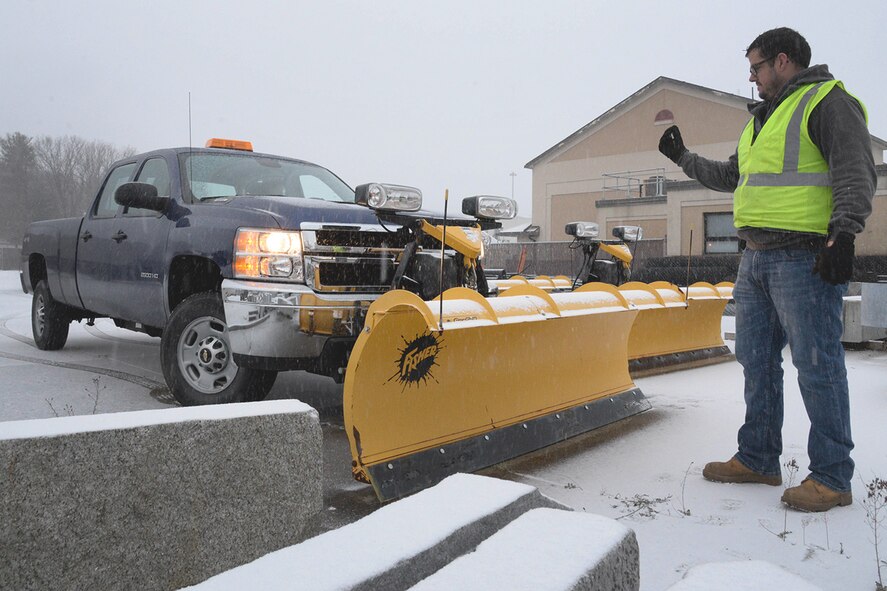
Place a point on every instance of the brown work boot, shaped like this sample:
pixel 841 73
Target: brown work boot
pixel 735 471
pixel 815 496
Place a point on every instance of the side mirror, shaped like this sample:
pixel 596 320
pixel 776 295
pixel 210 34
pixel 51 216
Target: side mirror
pixel 140 196
pixel 628 233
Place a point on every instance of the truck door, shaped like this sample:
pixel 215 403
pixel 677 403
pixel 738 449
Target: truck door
pixel 141 251
pixel 97 248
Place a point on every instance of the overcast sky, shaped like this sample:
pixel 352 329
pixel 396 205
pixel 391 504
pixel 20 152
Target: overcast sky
pixel 452 94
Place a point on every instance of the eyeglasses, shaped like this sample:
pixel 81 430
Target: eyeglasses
pixel 755 67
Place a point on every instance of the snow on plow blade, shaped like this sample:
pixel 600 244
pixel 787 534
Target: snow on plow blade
pixel 504 377
pixel 543 282
pixel 676 328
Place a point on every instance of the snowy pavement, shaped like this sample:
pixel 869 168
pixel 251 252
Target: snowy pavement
pixel 645 471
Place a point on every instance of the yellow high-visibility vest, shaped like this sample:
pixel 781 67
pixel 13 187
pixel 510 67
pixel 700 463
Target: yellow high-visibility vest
pixel 784 180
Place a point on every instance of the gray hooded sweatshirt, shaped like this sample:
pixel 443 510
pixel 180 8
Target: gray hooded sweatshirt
pixel 837 126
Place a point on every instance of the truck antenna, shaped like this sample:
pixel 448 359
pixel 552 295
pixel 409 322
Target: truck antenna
pixel 689 256
pixel 190 145
pixel 443 245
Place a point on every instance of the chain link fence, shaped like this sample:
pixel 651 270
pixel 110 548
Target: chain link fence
pixel 552 258
pixel 650 263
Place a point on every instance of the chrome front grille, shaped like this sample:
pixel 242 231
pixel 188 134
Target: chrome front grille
pixel 359 259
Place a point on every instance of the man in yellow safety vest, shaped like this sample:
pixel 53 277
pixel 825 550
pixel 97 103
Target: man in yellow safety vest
pixel 802 178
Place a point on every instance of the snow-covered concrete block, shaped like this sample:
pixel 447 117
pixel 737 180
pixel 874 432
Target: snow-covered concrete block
pixel 873 312
pixel 749 575
pixel 547 549
pixel 395 546
pixel 155 499
pixel 855 329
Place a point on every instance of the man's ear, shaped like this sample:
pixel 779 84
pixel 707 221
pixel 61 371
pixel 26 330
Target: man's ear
pixel 785 63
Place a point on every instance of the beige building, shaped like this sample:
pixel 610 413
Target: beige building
pixel 611 172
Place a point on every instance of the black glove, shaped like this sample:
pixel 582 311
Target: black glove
pixel 835 263
pixel 671 144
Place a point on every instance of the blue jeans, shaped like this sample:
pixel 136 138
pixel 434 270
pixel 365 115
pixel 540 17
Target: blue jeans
pixel 778 301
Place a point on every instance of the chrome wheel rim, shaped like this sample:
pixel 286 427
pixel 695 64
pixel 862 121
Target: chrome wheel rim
pixel 204 355
pixel 39 315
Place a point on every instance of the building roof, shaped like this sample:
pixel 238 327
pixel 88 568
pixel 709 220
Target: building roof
pixel 636 97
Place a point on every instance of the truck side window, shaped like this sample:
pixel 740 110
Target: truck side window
pixel 154 172
pixel 106 206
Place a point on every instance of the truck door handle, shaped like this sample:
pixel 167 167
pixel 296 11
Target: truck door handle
pixel 119 237
pixel 86 236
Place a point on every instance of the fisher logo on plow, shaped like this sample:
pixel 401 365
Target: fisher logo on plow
pixel 417 359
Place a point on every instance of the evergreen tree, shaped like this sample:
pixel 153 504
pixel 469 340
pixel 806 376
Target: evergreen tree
pixel 19 186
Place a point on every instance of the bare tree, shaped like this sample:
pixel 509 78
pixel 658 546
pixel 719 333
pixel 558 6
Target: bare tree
pixel 92 165
pixel 74 169
pixel 59 158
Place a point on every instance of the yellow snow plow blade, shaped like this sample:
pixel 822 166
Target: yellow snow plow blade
pixel 504 377
pixel 676 327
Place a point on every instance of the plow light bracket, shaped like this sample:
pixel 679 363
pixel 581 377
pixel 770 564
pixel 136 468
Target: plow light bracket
pixel 582 229
pixel 489 207
pixel 386 197
pixel 628 233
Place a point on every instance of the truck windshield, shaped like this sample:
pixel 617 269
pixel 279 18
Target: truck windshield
pixel 215 175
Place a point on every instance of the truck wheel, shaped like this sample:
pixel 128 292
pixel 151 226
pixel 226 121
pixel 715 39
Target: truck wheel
pixel 49 321
pixel 196 358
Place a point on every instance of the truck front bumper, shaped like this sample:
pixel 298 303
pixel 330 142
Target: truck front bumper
pixel 288 325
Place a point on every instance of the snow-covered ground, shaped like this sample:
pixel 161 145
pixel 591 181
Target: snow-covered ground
pixel 645 472
pixel 648 475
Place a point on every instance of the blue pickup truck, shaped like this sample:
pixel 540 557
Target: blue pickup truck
pixel 244 264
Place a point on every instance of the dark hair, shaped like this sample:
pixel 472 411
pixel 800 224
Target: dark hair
pixel 782 40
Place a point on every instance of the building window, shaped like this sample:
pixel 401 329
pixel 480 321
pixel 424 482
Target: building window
pixel 664 117
pixel 720 235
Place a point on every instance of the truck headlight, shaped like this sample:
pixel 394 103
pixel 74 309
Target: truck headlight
pixel 388 197
pixel 582 229
pixel 268 254
pixel 488 207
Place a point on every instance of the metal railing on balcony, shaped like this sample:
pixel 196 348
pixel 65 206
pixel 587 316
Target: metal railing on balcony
pixel 648 182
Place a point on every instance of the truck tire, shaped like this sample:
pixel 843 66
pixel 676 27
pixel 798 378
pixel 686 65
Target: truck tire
pixel 49 320
pixel 195 355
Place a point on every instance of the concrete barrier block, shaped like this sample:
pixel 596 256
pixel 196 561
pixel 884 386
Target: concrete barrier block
pixel 748 574
pixel 397 545
pixel 547 549
pixel 855 328
pixel 154 499
pixel 874 305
